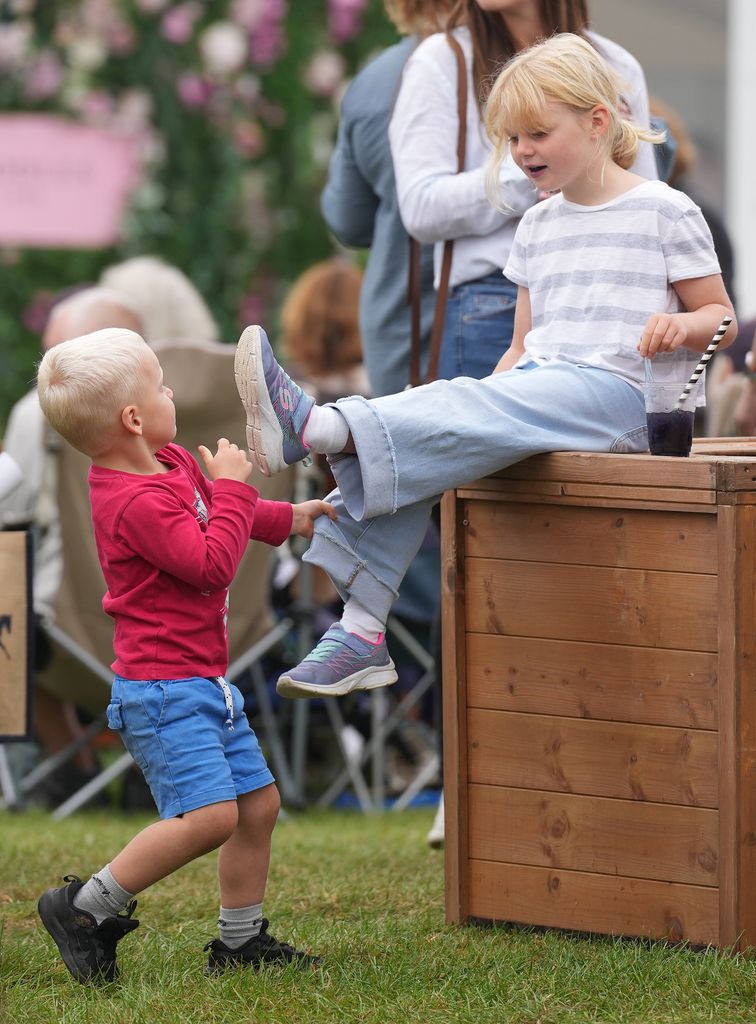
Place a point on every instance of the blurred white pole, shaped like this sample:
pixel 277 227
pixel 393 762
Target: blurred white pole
pixel 740 152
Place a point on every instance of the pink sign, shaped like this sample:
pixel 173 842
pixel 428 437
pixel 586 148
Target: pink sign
pixel 62 185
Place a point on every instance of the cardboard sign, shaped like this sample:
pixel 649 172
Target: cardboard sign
pixel 15 634
pixel 62 185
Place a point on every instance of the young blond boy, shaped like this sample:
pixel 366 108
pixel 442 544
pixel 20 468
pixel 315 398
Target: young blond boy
pixel 169 542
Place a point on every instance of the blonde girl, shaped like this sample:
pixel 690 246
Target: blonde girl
pixel 437 203
pixel 608 259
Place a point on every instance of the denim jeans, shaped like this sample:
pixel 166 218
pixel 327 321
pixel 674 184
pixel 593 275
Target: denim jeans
pixel 478 327
pixel 413 446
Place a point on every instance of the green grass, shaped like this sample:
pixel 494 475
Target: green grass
pixel 367 894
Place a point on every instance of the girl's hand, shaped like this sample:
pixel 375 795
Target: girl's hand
pixel 664 332
pixel 228 463
pixel 306 513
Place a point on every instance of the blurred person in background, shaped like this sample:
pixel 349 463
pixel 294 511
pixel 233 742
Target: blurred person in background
pixel 157 300
pixel 33 506
pixel 731 391
pixel 360 206
pixel 680 177
pixel 321 331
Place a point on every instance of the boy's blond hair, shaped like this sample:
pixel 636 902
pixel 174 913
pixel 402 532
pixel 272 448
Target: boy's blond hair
pixel 563 69
pixel 84 384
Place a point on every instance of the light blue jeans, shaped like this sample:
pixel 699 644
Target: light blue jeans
pixel 478 326
pixel 413 446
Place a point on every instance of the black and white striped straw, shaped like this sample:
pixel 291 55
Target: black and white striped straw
pixel 721 331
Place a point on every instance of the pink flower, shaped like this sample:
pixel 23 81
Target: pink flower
pixel 252 309
pixel 178 23
pixel 121 38
pixel 96 106
pixel 193 91
pixel 44 77
pixel 248 138
pixel 266 41
pixel 344 18
pixel 34 316
pixel 248 13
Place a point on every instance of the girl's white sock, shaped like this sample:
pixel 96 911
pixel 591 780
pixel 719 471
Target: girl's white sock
pixel 326 430
pixel 357 619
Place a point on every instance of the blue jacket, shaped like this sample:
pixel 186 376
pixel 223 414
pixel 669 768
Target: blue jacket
pixel 359 205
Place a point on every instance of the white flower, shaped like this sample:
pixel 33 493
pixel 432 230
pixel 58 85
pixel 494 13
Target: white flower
pixel 87 53
pixel 14 43
pixel 325 72
pixel 134 110
pixel 224 48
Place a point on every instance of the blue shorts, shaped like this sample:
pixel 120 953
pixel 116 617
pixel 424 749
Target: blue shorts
pixel 191 739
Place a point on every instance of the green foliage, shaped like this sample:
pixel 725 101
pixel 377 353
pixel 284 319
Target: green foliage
pixel 233 156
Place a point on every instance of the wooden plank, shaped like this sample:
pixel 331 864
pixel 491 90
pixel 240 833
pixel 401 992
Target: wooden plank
pixel 591 603
pixel 737 615
pixel 598 903
pixel 601 468
pixel 585 833
pixel 675 542
pixel 744 446
pixel 536 490
pixel 581 680
pixel 612 759
pixel 472 494
pixel 454 700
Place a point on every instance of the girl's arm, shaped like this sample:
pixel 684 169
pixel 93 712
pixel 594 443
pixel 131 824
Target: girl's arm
pixel 706 303
pixel 522 324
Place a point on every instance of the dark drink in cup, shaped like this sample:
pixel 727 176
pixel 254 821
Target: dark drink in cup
pixel 669 420
pixel 670 433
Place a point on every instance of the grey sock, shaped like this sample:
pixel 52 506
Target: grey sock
pixel 102 896
pixel 239 925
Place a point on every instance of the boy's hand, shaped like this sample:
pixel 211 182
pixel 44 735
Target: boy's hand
pixel 664 332
pixel 228 463
pixel 306 513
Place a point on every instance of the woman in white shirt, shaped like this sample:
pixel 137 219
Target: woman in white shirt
pixel 437 203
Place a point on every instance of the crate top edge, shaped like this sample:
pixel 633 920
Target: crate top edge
pixel 710 468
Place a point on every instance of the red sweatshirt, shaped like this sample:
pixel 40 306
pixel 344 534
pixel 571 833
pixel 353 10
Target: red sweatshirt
pixel 169 545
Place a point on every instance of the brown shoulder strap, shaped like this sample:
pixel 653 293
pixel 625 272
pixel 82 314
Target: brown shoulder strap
pixel 446 259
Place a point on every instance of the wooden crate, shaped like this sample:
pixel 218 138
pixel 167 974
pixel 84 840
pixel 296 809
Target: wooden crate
pixel 600 695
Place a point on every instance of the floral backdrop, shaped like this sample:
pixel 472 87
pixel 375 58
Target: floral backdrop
pixel 235 104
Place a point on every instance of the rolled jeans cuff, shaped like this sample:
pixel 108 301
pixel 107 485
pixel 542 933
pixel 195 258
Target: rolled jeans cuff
pixel 368 481
pixel 351 576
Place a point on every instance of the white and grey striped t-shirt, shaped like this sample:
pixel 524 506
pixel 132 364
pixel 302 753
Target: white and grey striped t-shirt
pixel 596 273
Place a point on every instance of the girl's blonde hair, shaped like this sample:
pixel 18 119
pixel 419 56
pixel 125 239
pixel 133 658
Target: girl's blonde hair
pixel 84 384
pixel 563 69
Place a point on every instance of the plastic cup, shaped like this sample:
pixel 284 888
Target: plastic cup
pixel 670 425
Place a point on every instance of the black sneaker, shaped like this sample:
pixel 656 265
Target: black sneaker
pixel 262 949
pixel 88 948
